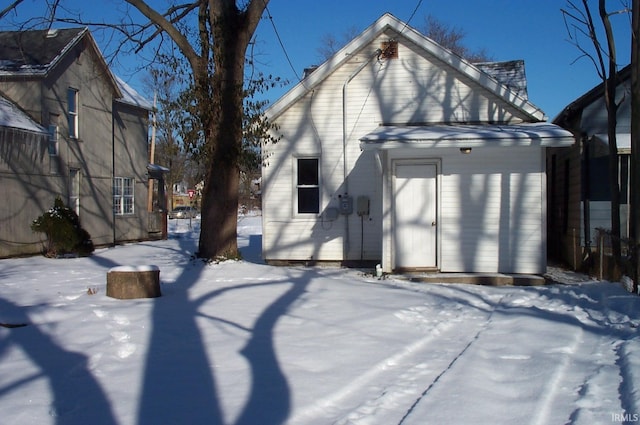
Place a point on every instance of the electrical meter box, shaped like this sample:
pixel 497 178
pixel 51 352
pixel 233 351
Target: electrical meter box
pixel 362 205
pixel 346 205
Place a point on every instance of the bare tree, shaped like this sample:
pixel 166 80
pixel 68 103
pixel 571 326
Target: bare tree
pixel 452 38
pixel 170 151
pixel 580 24
pixel 330 44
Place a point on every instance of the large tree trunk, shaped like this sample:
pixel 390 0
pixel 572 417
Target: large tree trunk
pixel 223 128
pixel 225 30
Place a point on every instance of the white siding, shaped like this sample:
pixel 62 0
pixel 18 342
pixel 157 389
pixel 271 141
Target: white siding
pixel 412 89
pixel 492 209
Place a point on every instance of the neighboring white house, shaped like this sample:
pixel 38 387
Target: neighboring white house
pixel 398 151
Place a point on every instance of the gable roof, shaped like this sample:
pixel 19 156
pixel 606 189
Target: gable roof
pixel 11 116
pixel 132 97
pixel 35 52
pixel 388 21
pixel 575 107
pixel 509 73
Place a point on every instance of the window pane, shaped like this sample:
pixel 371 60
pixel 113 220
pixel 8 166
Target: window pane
pixel 308 200
pixel 117 207
pixel 72 106
pixel 71 100
pixel 53 140
pixel 308 172
pixel 117 186
pixel 127 207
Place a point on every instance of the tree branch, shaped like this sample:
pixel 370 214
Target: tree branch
pixel 167 26
pixel 9 8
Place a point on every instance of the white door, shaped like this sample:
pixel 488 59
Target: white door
pixel 415 210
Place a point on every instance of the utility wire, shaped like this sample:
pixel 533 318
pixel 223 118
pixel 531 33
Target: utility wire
pixel 273 24
pixel 406 24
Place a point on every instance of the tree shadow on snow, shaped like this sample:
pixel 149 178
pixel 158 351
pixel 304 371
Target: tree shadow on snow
pixel 182 389
pixel 78 398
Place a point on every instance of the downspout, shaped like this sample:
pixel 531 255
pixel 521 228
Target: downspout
pixel 113 169
pixel 346 246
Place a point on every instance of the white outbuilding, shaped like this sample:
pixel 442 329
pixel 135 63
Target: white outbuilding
pixel 397 151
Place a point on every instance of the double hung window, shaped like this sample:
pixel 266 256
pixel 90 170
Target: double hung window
pixel 123 195
pixel 308 186
pixel 72 111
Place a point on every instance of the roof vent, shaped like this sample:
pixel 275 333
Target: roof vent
pixel 51 33
pixel 389 49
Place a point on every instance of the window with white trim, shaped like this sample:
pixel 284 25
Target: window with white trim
pixel 308 185
pixel 123 195
pixel 72 111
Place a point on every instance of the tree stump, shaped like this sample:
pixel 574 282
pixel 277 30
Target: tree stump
pixel 129 282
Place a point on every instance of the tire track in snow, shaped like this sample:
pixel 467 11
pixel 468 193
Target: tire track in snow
pixel 483 326
pixel 435 381
pixel 545 403
pixel 419 361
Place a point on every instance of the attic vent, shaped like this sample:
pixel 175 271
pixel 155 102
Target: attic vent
pixel 51 33
pixel 389 49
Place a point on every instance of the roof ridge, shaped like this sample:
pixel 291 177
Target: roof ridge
pixel 446 56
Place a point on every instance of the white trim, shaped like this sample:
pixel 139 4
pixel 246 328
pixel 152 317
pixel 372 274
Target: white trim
pixel 73 114
pixel 294 203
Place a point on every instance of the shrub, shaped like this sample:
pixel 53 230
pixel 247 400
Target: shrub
pixel 61 226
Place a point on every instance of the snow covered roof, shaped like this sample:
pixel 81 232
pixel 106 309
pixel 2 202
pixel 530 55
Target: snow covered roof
pixel 132 97
pixel 430 136
pixel 157 168
pixel 35 52
pixel 509 73
pixel 13 117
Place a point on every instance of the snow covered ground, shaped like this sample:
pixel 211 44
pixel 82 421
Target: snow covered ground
pixel 241 342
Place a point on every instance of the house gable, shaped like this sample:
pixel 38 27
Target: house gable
pixel 425 63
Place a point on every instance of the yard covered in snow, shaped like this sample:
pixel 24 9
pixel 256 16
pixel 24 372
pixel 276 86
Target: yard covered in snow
pixel 241 342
